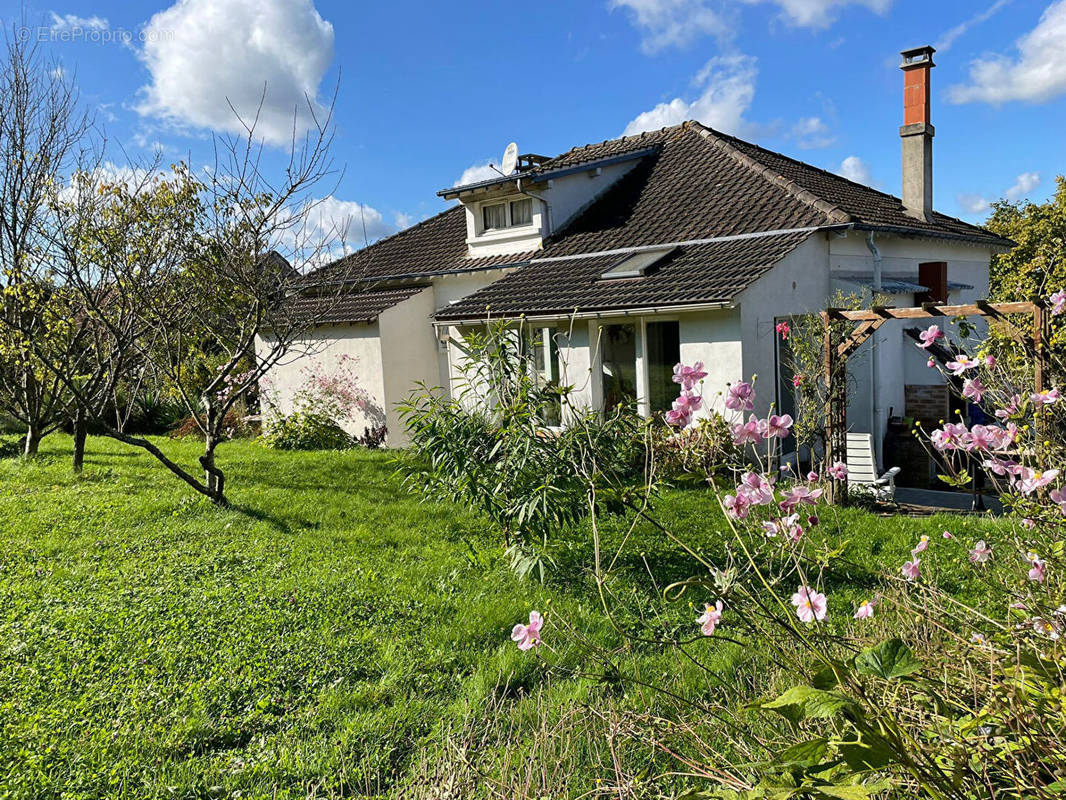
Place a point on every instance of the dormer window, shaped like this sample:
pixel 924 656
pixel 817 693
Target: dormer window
pixel 496 216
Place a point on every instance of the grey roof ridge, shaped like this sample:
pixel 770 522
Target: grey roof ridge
pixel 640 248
pixel 834 212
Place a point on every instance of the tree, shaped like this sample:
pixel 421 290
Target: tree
pixel 43 132
pixel 172 267
pixel 1036 267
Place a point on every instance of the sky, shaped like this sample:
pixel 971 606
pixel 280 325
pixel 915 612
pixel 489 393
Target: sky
pixel 429 92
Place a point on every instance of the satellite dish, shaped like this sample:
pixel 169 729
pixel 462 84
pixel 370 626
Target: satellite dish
pixel 510 159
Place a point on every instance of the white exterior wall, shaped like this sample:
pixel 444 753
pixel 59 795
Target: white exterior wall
pixel 409 356
pixel 798 284
pixel 321 351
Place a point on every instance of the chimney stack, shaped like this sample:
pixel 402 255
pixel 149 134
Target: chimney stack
pixel 917 133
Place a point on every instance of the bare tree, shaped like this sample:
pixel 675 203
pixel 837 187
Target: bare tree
pixel 43 131
pixel 172 270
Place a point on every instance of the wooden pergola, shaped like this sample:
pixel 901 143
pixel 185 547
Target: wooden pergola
pixel 867 321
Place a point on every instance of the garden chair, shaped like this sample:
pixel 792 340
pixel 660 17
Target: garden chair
pixel 862 469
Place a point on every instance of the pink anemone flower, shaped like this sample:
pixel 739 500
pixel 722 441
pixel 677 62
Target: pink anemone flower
pixel 740 397
pixel 810 604
pixel 980 553
pixel 710 618
pixel 912 569
pixel 1037 568
pixel 1058 302
pixel 839 471
pixel 866 610
pixel 528 636
pixel 930 335
pixel 689 376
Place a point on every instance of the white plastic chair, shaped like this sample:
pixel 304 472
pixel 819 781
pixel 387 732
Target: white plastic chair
pixel 862 469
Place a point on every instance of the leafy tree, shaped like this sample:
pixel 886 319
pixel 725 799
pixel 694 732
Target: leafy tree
pixel 43 132
pixel 1036 267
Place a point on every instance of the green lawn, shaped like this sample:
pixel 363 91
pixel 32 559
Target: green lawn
pixel 330 635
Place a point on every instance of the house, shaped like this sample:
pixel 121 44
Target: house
pixel 682 244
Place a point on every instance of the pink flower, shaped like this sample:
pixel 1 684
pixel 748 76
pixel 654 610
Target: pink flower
pixel 710 617
pixel 737 505
pixel 747 432
pixel 980 553
pixel 921 547
pixel 953 436
pixel 797 380
pixel 528 636
pixel 1037 568
pixel 687 403
pixel 798 495
pixel 689 376
pixel 1058 302
pixel 784 329
pixel 1011 409
pixel 757 488
pixel 1029 480
pixel 911 569
pixel 776 426
pixel 866 610
pixel 1046 627
pixel 962 363
pixel 789 526
pixel 930 335
pixel 1058 496
pixel 679 419
pixel 741 397
pixel 839 471
pixel 984 437
pixel 1028 524
pixel 1041 399
pixel 973 389
pixel 931 362
pixel 810 604
pixel 812 476
pixel 948 535
pixel 990 361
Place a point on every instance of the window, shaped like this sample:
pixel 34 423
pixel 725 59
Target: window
pixel 663 348
pixel 619 356
pixel 546 363
pixel 516 213
pixel 522 211
pixel 494 216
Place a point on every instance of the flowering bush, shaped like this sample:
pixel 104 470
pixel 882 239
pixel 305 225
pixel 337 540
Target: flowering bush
pixel 908 689
pixel 326 400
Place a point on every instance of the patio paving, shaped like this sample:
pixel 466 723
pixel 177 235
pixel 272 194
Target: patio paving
pixel 951 501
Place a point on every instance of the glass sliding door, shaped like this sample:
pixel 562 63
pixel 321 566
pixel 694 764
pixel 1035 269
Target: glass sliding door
pixel 618 346
pixel 663 352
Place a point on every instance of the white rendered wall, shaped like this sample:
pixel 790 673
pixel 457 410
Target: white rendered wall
pixel 409 356
pixel 321 351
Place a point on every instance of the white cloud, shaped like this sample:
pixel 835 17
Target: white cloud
pixel 1037 73
pixel 475 173
pixel 205 55
pixel 819 13
pixel 344 221
pixel 70 23
pixel 404 220
pixel 1023 184
pixel 973 203
pixel 728 88
pixel 676 23
pixel 811 133
pixel 947 39
pixel 855 169
pixel 978 204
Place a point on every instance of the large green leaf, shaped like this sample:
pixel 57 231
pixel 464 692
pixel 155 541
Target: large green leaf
pixel 871 752
pixel 806 702
pixel 854 791
pixel 890 659
pixel 804 754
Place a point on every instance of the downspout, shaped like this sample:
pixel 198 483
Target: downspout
pixel 875 410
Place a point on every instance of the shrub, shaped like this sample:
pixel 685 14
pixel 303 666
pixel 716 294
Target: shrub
pixel 705 448
pixel 306 430
pixel 501 457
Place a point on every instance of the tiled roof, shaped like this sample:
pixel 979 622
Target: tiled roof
pixel 431 247
pixel 705 273
pixel 360 305
pixel 693 184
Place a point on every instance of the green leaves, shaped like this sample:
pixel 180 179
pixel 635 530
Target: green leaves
pixel 889 660
pixel 806 702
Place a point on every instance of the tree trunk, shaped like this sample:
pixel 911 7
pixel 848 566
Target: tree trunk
pixel 80 433
pixel 33 441
pixel 213 477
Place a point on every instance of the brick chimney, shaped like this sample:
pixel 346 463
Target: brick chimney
pixel 917 133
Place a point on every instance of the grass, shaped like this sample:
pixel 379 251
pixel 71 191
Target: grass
pixel 330 635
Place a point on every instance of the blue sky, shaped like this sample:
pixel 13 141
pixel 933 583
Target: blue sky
pixel 430 91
